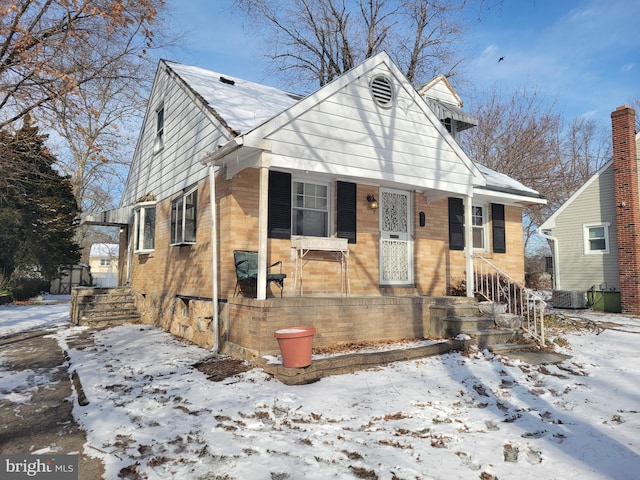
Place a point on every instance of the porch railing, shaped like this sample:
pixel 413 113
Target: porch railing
pixel 499 287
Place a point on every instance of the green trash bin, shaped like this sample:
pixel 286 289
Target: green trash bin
pixel 604 301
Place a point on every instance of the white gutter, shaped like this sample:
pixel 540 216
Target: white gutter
pixel 210 159
pixel 556 257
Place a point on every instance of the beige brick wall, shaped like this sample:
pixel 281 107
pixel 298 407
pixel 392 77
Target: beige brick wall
pixel 176 270
pixel 186 270
pixel 167 272
pixel 252 323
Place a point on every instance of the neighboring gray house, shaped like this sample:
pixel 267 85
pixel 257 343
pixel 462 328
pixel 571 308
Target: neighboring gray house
pixel 584 234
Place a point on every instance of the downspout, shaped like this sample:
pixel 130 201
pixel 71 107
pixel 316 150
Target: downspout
pixel 556 257
pixel 214 258
pixel 210 160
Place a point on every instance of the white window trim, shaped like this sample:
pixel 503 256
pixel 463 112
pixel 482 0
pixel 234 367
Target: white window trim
pixel 485 227
pixel 139 216
pixel 330 202
pixel 184 217
pixel 587 245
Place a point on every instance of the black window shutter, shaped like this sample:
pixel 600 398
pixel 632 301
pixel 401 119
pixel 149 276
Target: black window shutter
pixel 279 205
pixel 346 210
pixel 499 236
pixel 456 224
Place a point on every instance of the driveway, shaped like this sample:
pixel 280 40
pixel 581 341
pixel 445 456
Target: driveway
pixel 36 402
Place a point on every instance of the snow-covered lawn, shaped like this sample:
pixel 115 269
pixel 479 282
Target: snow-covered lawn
pixel 458 416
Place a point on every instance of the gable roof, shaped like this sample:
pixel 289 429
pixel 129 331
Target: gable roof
pixel 240 104
pixel 550 222
pixel 351 86
pixel 251 112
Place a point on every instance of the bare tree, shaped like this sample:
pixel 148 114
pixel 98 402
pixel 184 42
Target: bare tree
pixel 586 148
pixel 315 41
pixel 519 135
pixel 50 47
pixel 74 65
pixel 96 126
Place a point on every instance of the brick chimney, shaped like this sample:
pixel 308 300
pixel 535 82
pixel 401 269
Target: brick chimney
pixel 627 197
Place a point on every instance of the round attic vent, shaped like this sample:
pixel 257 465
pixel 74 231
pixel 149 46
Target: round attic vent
pixel 381 90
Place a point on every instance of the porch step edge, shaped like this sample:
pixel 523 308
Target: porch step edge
pixel 349 363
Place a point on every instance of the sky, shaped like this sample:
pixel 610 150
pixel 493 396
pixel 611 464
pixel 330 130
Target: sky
pixel 455 416
pixel 582 55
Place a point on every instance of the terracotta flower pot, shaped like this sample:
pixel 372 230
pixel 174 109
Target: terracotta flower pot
pixel 295 345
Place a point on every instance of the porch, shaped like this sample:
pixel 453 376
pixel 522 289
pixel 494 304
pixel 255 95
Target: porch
pixel 248 324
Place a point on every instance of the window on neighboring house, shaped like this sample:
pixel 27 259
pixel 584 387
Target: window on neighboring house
pixel 596 239
pixel 105 262
pixel 183 218
pixel 303 207
pixel 144 227
pixel 310 209
pixel 159 143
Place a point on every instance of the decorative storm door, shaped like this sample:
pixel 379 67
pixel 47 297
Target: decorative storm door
pixel 396 246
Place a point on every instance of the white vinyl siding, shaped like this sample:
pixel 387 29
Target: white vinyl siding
pixel 189 132
pixel 397 144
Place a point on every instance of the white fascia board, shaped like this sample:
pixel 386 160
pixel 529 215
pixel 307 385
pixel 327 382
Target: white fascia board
pixel 362 176
pixel 509 198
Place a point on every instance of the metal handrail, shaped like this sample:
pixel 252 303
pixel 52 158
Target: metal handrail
pixel 497 286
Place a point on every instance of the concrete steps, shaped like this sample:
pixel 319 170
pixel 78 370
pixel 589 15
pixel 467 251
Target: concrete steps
pixel 465 318
pixel 103 306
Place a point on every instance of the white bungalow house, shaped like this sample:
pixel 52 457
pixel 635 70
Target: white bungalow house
pixel 358 193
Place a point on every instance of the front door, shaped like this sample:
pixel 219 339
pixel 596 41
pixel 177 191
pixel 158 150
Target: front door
pixel 396 246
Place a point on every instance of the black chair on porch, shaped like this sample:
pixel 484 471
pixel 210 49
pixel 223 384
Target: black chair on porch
pixel 246 263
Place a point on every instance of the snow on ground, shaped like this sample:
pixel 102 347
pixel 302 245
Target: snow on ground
pixel 457 416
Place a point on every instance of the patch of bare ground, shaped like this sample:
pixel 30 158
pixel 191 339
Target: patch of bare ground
pixel 219 368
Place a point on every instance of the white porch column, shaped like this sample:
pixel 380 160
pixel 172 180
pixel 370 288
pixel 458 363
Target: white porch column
pixel 263 212
pixel 468 242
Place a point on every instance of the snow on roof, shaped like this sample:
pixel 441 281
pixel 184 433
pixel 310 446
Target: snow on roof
pixel 243 105
pixel 104 250
pixel 502 182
